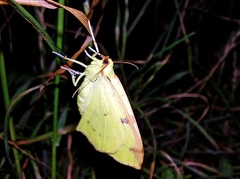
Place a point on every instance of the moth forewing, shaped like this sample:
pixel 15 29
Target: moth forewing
pixel 125 102
pixel 131 152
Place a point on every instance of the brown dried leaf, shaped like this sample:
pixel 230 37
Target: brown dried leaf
pixel 78 14
pixel 39 3
pixel 53 5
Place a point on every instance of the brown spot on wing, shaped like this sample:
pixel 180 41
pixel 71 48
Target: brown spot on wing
pixel 124 120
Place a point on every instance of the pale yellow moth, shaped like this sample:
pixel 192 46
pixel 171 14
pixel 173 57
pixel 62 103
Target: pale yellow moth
pixel 107 119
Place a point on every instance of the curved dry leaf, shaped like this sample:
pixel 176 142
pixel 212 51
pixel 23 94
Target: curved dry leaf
pixel 3 2
pixel 39 3
pixel 53 5
pixel 78 14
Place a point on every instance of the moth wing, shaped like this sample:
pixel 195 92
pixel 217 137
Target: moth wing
pixel 131 151
pixel 101 121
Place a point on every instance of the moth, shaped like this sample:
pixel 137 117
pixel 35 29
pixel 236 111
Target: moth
pixel 107 119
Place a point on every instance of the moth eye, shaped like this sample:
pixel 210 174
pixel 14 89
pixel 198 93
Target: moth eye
pixel 105 61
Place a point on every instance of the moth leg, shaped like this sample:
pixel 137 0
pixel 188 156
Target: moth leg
pixel 91 57
pixel 69 59
pixel 74 75
pixel 93 50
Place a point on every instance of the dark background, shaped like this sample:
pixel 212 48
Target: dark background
pixel 162 95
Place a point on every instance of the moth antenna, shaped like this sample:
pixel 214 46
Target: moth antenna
pixel 93 38
pixel 129 63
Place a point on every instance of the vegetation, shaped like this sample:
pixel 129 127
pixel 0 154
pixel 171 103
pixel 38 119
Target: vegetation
pixel 185 94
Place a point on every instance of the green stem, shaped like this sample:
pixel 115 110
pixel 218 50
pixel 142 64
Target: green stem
pixel 60 29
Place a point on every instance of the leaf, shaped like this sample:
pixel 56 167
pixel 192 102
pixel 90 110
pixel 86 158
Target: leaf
pixel 78 14
pixel 176 77
pixel 40 3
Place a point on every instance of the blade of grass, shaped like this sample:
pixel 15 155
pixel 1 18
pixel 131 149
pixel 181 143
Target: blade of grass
pixel 46 136
pixel 199 127
pixel 184 31
pixel 62 122
pixel 138 17
pixel 154 142
pixel 124 30
pixel 35 169
pixel 26 15
pixel 166 48
pixel 8 118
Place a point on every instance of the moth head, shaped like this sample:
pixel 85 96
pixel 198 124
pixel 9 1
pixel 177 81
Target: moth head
pixel 107 65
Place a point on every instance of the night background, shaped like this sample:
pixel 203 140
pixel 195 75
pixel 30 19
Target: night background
pixel 185 93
